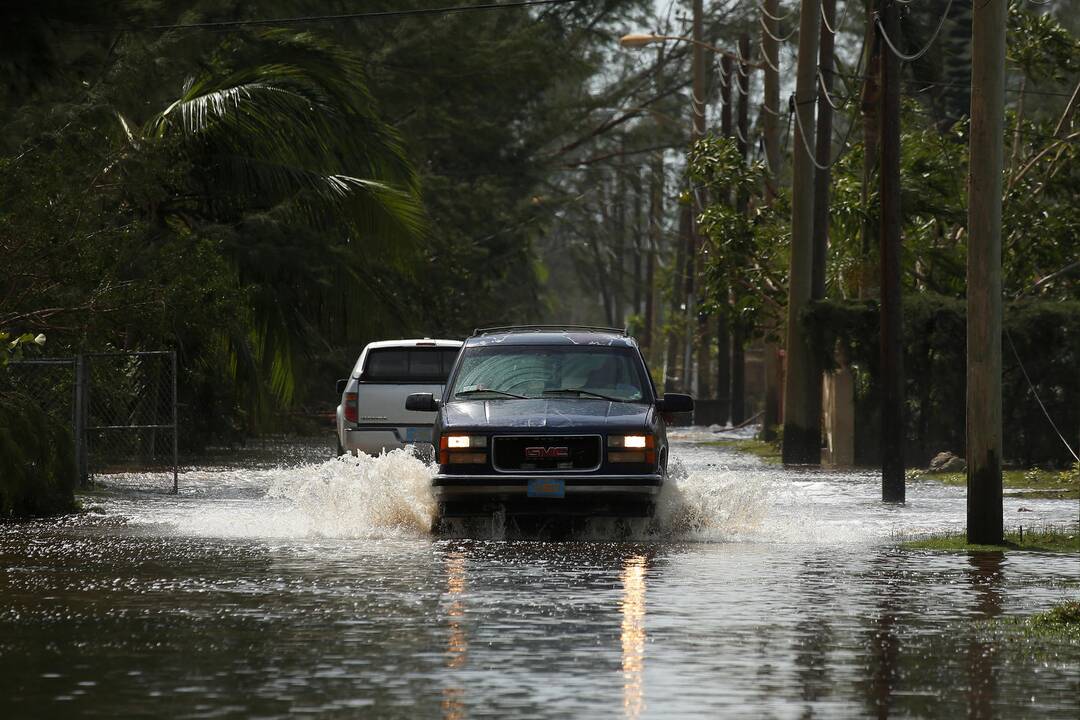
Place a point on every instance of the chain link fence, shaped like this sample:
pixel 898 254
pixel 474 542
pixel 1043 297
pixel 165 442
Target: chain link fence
pixel 130 422
pixel 120 407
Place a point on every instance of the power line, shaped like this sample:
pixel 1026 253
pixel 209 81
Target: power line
pixel 1039 399
pixel 761 7
pixel 311 19
pixel 761 21
pixel 916 56
pixel 802 136
pixel 938 83
pixel 839 25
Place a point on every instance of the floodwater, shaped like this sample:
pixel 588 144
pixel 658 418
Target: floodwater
pixel 314 588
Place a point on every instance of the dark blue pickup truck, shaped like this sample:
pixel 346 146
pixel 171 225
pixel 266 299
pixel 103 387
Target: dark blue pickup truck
pixel 544 420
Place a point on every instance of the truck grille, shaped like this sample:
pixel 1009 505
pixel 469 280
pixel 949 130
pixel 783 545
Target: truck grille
pixel 546 453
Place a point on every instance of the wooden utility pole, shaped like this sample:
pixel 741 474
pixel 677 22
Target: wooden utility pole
pixel 723 324
pixel 984 505
pixel 822 180
pixel 869 105
pixel 693 245
pixel 771 109
pixel 802 427
pixel 656 214
pixel 671 363
pixel 892 355
pixel 823 174
pixel 738 332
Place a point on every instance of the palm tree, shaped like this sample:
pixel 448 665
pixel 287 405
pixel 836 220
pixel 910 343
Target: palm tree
pixel 278 152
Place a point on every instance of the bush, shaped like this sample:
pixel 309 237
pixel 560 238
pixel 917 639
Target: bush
pixel 37 460
pixel 1046 335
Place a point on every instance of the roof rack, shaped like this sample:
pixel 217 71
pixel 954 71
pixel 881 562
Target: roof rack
pixel 547 328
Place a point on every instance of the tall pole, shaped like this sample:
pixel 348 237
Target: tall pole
pixel 738 332
pixel 723 325
pixel 984 505
pixel 771 49
pixel 823 175
pixel 822 180
pixel 869 106
pixel 892 358
pixel 802 429
pixel 697 130
pixel 656 210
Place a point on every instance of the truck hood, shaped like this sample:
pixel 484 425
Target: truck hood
pixel 548 413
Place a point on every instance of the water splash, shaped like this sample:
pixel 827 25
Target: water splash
pixel 362 496
pixel 710 505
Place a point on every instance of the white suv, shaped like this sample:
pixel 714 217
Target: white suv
pixel 372 415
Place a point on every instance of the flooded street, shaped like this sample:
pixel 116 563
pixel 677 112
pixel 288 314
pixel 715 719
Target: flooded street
pixel 316 589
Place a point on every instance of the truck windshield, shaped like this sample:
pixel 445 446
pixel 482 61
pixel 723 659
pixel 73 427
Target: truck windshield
pixel 608 373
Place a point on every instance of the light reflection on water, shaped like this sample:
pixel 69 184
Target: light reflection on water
pixel 316 590
pixel 633 635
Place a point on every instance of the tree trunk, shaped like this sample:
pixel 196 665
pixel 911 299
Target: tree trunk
pixel 771 415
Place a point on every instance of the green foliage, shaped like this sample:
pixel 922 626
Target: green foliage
pixel 1045 333
pixel 1064 539
pixel 1040 46
pixel 239 204
pixel 747 256
pixel 13 348
pixel 37 460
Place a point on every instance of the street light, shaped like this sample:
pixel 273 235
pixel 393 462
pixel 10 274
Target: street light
pixel 639 40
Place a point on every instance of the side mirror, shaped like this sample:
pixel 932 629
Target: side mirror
pixel 423 402
pixel 341 385
pixel 675 403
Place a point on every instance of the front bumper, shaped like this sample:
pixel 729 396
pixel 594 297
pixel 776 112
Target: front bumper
pixel 375 440
pixel 614 495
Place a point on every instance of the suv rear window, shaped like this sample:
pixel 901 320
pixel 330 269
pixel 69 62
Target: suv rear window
pixel 408 365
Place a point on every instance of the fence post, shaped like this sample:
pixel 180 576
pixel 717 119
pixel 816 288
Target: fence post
pixel 175 430
pixel 79 425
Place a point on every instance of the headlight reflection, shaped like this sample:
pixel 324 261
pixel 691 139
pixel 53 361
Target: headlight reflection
pixel 633 636
pixel 457 642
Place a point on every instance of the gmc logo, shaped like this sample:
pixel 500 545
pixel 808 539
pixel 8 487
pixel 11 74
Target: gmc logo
pixel 547 452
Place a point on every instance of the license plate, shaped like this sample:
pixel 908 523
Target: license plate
pixel 416 434
pixel 547 488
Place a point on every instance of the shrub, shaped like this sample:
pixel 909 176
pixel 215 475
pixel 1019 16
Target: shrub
pixel 1046 336
pixel 37 460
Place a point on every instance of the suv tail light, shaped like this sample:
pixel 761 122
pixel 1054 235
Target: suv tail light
pixel 352 412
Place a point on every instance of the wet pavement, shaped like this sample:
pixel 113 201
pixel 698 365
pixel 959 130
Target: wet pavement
pixel 316 589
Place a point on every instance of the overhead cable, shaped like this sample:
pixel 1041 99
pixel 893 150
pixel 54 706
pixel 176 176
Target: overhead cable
pixel 915 56
pixel 766 13
pixel 802 136
pixel 1039 399
pixel 769 110
pixel 761 21
pixel 765 57
pixel 937 83
pixel 839 25
pixel 825 92
pixel 310 19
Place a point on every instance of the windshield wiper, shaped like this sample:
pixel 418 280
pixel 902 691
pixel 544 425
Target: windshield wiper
pixel 579 392
pixel 476 391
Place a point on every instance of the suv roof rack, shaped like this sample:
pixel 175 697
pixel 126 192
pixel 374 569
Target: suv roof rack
pixel 547 328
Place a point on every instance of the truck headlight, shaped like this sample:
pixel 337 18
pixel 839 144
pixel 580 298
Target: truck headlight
pixel 631 449
pixel 455 449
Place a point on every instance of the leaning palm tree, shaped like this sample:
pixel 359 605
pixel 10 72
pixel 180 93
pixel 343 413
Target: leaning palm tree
pixel 279 153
